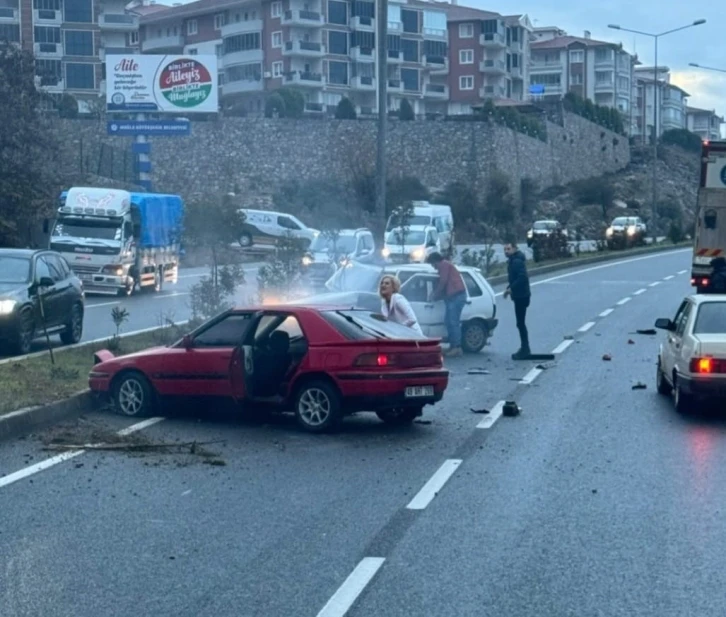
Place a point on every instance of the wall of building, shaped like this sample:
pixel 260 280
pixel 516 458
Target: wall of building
pixel 259 155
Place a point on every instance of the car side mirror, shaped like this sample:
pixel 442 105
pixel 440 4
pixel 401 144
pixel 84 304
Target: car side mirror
pixel 187 342
pixel 46 281
pixel 663 323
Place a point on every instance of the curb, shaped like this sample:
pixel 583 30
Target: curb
pixel 26 420
pixel 586 261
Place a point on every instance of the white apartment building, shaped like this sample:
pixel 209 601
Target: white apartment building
pixel 704 122
pixel 671 103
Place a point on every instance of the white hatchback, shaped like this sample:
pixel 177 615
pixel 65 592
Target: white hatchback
pixel 692 359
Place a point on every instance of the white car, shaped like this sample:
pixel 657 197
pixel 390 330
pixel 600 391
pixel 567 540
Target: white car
pixel 412 244
pixel 692 359
pixel 265 228
pixel 478 320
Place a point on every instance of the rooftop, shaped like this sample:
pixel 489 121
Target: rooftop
pixel 185 11
pixel 562 42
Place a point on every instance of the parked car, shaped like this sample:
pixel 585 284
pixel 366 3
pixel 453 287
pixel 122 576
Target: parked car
pixel 411 244
pixel 543 229
pixel 692 359
pixel 625 231
pixel 38 293
pixel 265 228
pixel 425 214
pixel 321 363
pixel 478 320
pixel 328 252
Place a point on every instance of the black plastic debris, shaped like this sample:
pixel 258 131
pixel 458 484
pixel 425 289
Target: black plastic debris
pixel 482 410
pixel 478 371
pixel 607 357
pixel 511 409
pixel 423 422
pixel 647 332
pixel 639 386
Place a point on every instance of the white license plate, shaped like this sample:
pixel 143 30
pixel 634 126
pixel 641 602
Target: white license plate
pixel 416 391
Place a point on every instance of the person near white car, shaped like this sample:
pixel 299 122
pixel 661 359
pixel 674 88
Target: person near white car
pixel 452 290
pixel 394 306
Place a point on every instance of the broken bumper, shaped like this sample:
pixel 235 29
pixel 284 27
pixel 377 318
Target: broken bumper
pixel 712 387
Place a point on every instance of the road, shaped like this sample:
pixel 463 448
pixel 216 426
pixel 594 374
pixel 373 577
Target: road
pixel 597 500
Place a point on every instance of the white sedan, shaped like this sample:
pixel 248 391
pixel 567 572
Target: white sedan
pixel 478 320
pixel 692 359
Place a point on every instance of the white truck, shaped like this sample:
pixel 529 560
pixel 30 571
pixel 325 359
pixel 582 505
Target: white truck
pixel 710 236
pixel 117 242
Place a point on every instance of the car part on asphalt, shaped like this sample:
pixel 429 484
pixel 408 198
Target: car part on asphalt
pixel 511 409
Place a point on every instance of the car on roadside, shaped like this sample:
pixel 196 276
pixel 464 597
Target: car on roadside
pixel 322 363
pixel 329 251
pixel 410 244
pixel 625 231
pixel 544 229
pixel 39 295
pixel 692 358
pixel 478 320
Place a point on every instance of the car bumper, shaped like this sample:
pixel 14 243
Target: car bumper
pixel 8 325
pixel 712 387
pixel 372 391
pixel 104 283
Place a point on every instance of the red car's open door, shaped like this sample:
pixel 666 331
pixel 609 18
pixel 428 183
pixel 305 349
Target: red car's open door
pixel 240 367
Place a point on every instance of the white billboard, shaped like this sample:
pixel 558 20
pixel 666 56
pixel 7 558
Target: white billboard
pixel 161 84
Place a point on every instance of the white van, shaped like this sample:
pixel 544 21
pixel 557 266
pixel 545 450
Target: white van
pixel 410 245
pixel 264 228
pixel 437 216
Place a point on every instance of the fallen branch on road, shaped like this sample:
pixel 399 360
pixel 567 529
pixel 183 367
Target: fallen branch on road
pixel 192 446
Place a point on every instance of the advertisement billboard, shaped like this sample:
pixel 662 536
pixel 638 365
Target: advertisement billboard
pixel 161 84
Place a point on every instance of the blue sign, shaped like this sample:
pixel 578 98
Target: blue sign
pixel 127 128
pixel 537 89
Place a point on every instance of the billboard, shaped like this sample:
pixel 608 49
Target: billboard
pixel 161 84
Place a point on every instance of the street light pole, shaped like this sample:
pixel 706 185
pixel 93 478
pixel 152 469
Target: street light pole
pixel 656 103
pixel 382 47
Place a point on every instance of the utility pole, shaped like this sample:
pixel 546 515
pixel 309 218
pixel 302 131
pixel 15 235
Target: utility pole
pixel 382 48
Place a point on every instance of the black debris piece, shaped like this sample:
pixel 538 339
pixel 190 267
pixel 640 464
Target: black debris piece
pixel 607 357
pixel 482 410
pixel 478 371
pixel 647 332
pixel 423 422
pixel 511 409
pixel 639 386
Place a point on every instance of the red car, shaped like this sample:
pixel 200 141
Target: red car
pixel 322 363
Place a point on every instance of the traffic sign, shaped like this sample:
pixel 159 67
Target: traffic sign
pixel 127 128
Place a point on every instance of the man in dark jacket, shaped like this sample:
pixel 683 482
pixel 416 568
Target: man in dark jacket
pixel 519 291
pixel 718 278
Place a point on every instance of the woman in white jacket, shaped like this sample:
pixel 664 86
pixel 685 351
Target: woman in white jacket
pixel 394 305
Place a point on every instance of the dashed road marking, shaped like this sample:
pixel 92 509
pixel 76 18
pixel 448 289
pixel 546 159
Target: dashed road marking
pixel 171 295
pixel 562 346
pixel 682 271
pixel 606 312
pixel 100 304
pixel 429 490
pixel 531 376
pixel 492 416
pixel 624 301
pixel 586 327
pixel 654 284
pixel 348 592
pixel 668 278
pixel 640 291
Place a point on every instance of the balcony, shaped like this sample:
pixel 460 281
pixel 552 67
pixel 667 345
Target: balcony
pixel 604 86
pixel 395 85
pixel 174 42
pixel 395 56
pixel 493 67
pixel 436 91
pixel 437 65
pixel 114 51
pixel 546 67
pixel 120 22
pixel 367 24
pixel 48 50
pixel 314 108
pixel 394 27
pixel 241 27
pixel 47 17
pixel 244 56
pixel 436 34
pixel 9 15
pixel 242 86
pixel 493 39
pixel 515 72
pixel 362 54
pixel 305 49
pixel 302 78
pixel 605 62
pixel 363 83
pixel 302 19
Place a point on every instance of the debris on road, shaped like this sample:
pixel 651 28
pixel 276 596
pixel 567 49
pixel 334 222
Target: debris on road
pixel 569 337
pixel 607 357
pixel 478 371
pixel 482 410
pixel 631 341
pixel 639 386
pixel 647 332
pixel 423 421
pixel 546 365
pixel 511 409
pixel 192 447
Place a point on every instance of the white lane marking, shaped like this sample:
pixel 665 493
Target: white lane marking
pixel 587 326
pixel 682 271
pixel 429 490
pixel 531 376
pixel 348 592
pixel 185 493
pixel 609 264
pixel 654 284
pixel 668 278
pixel 606 312
pixel 624 301
pixel 640 291
pixel 171 295
pixel 562 346
pixel 492 416
pixel 61 458
pixel 90 306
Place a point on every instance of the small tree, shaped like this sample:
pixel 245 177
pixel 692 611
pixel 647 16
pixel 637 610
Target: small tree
pixel 405 111
pixel 280 279
pixel 68 107
pixel 402 215
pixel 345 110
pixel 275 106
pixel 294 102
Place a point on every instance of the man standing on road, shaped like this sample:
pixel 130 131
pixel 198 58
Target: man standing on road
pixel 452 291
pixel 520 293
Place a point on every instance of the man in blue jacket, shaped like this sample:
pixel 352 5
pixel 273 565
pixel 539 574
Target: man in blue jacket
pixel 519 291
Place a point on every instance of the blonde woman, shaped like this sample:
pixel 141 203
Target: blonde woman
pixel 394 305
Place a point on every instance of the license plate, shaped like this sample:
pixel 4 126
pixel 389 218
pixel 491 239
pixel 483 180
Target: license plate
pixel 416 391
pixel 85 277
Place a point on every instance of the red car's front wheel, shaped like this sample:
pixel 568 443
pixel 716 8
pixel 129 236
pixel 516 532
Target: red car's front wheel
pixel 318 407
pixel 133 395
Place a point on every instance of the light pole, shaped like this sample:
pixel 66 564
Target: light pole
pixel 656 88
pixel 382 48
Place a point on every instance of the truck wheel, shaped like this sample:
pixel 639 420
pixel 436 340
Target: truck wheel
pixel 128 290
pixel 245 240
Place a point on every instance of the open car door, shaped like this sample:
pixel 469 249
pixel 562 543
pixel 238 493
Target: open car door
pixel 241 365
pixel 430 315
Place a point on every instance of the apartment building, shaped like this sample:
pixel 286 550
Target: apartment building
pixel 596 70
pixel 70 39
pixel 705 123
pixel 672 103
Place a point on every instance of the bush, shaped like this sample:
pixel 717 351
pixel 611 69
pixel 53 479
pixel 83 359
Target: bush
pixel 675 232
pixel 551 246
pixel 682 138
pixel 294 102
pixel 277 280
pixel 405 111
pixel 345 110
pixel 68 107
pixel 606 117
pixel 275 106
pixel 598 191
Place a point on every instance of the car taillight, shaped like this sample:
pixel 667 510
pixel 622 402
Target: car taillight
pixel 707 366
pixel 375 359
pixel 696 282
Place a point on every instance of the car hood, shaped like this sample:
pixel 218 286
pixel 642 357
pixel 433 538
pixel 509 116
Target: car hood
pixel 11 291
pixel 151 352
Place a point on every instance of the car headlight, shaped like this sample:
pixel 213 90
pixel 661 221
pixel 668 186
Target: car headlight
pixel 307 260
pixel 386 252
pixel 530 233
pixel 7 306
pixel 631 230
pixel 417 254
pixel 609 231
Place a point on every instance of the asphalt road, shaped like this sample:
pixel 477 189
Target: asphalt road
pixel 597 500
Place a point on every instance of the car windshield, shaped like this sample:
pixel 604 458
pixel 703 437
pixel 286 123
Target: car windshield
pixel 544 225
pixel 14 269
pixel 623 220
pixel 364 325
pixel 410 237
pixel 324 243
pixel 87 228
pixel 410 221
pixel 711 318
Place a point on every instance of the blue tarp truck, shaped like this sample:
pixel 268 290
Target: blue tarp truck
pixel 118 242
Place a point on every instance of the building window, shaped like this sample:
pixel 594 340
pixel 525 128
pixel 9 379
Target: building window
pixel 410 50
pixel 219 50
pixel 80 76
pixel 49 71
pixel 276 9
pixel 410 21
pixel 192 27
pixel 47 5
pixel 466 82
pixel 603 78
pixel 193 51
pixel 242 42
pixel 576 56
pixel 338 43
pixel 277 39
pixel 245 72
pixel 277 69
pixel 79 43
pixel 576 79
pixel 338 73
pixel 44 34
pixel 133 38
pixel 338 12
pixel 603 55
pixel 466 31
pixel 78 11
pixel 466 56
pixel 220 20
pixel 362 9
pixel 362 39
pixel 411 80
pixel 435 49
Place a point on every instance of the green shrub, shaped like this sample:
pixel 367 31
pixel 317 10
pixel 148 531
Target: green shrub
pixel 345 110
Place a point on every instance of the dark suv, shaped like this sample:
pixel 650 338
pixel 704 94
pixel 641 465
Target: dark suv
pixel 38 292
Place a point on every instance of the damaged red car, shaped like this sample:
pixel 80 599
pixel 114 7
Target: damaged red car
pixel 320 363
